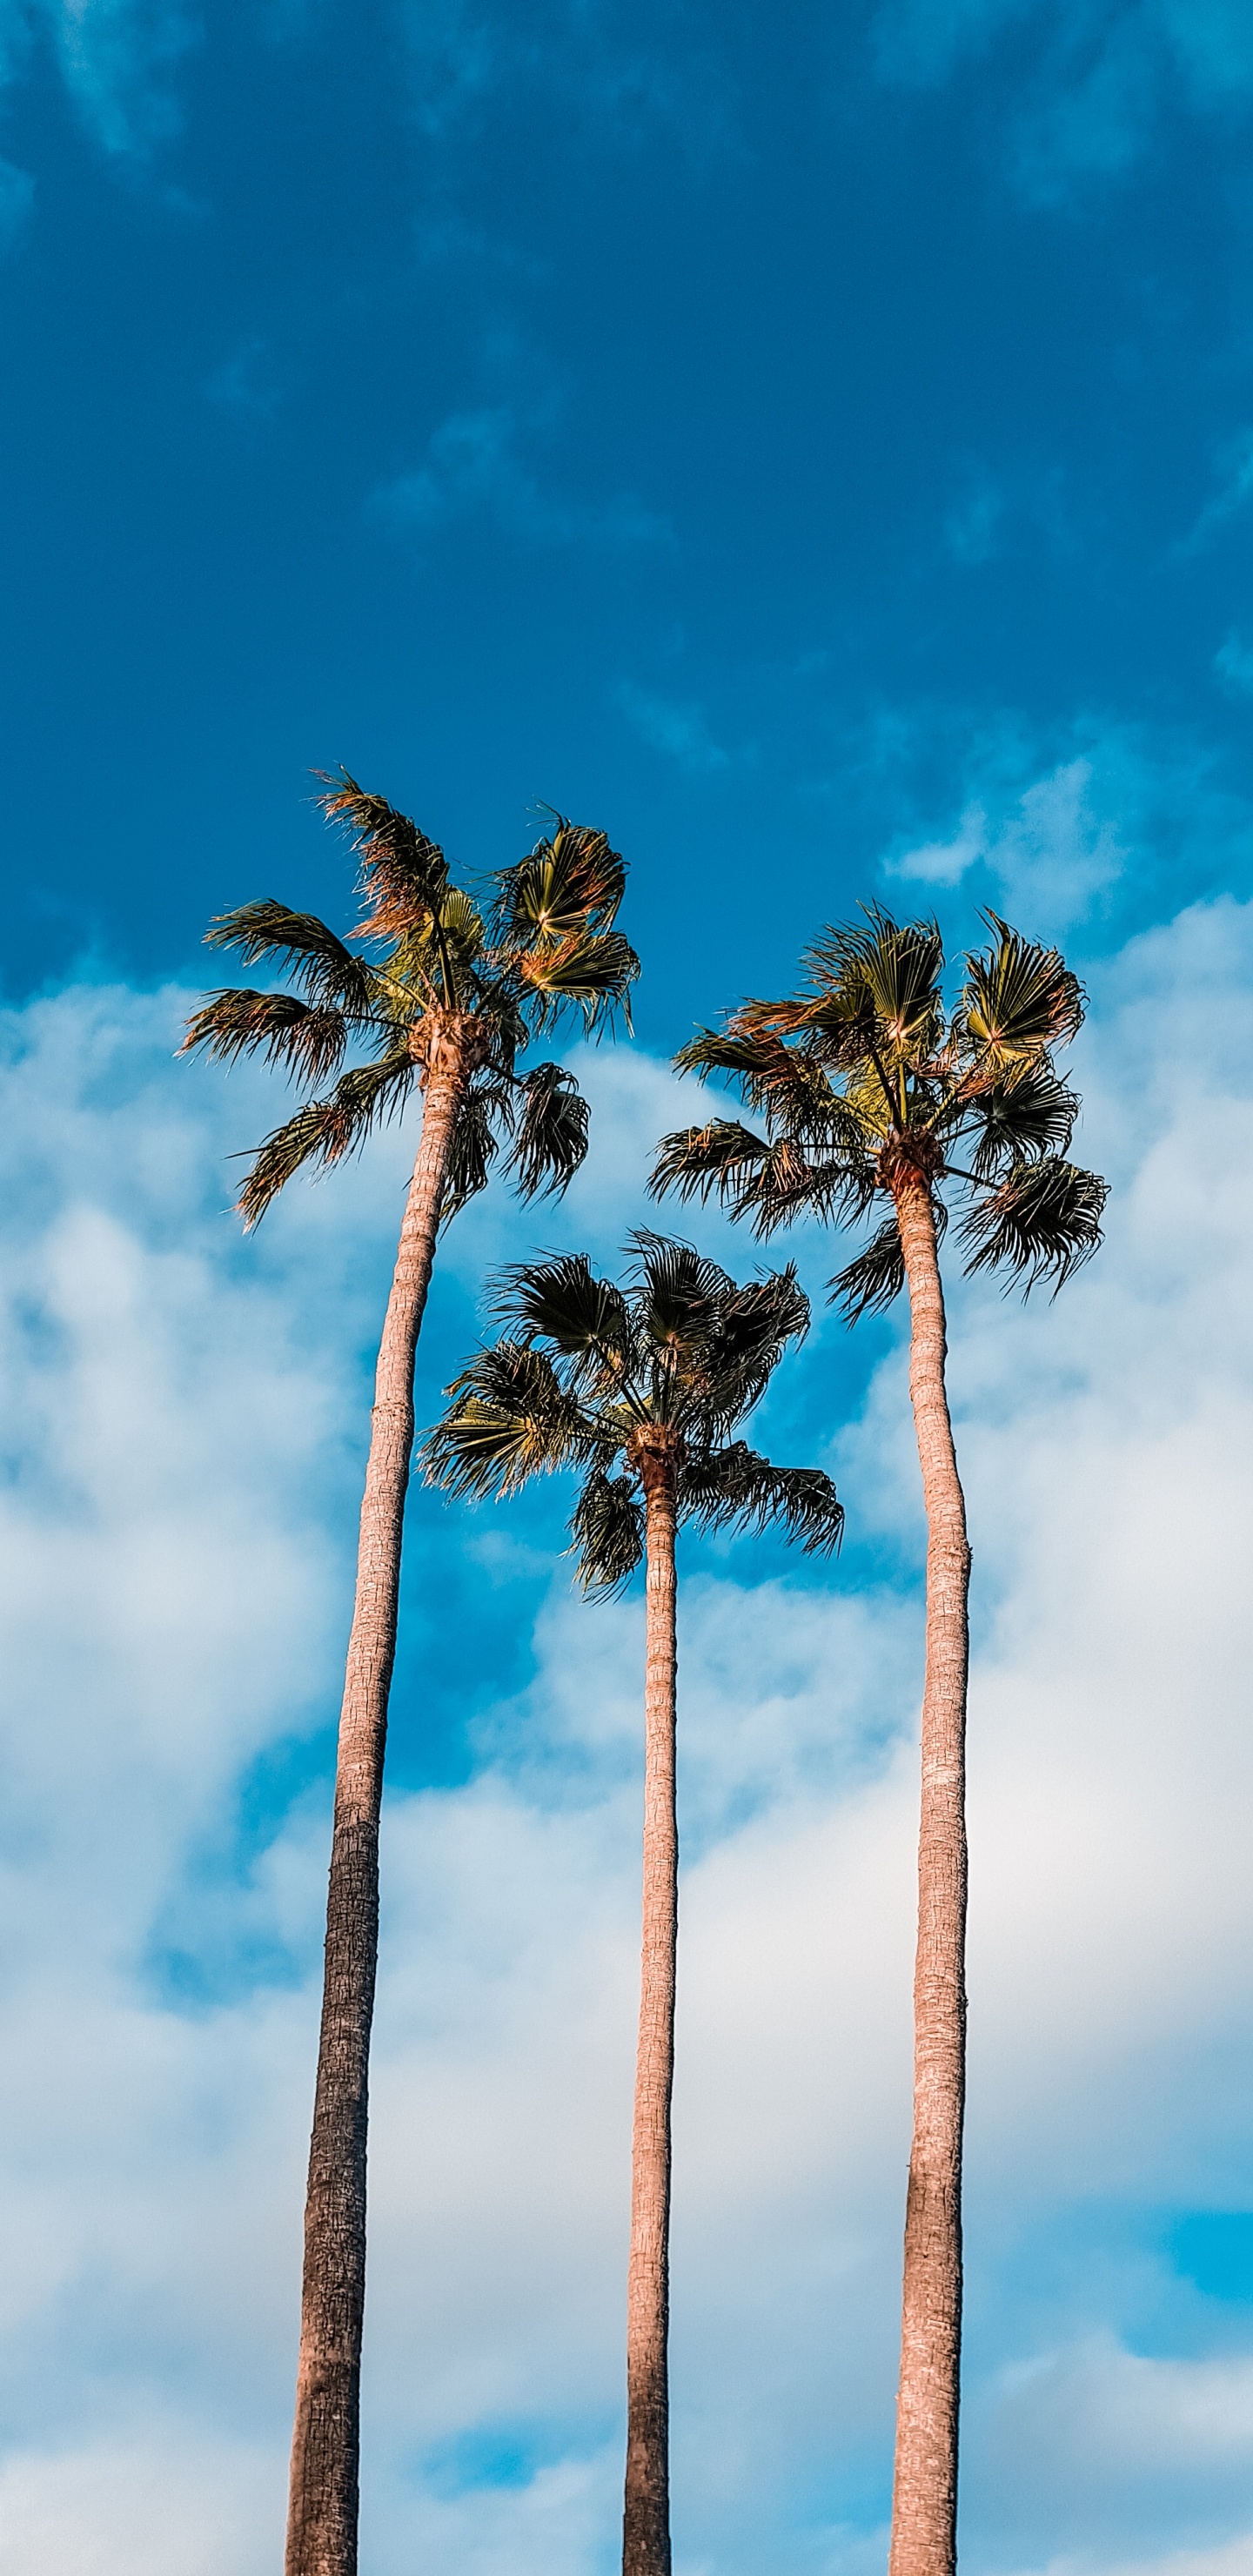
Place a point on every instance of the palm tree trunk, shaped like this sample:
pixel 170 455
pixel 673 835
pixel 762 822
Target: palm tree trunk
pixel 646 2513
pixel 924 2499
pixel 322 2515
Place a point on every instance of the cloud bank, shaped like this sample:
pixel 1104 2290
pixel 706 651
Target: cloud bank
pixel 181 1448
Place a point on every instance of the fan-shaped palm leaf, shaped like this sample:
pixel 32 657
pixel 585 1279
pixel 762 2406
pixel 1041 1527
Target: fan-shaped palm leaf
pixel 325 1130
pixel 317 961
pixel 307 1038
pixel 735 1488
pixel 1018 1001
pixel 607 1532
pixel 1041 1223
pixel 403 874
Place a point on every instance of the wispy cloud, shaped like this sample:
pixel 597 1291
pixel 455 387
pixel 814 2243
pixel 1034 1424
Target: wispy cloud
pixel 676 727
pixel 1234 664
pixel 474 462
pixel 1090 77
pixel 1070 824
pixel 182 1448
pixel 594 59
pixel 118 59
pixel 1051 853
pixel 1234 494
pixel 243 383
pixel 973 525
pixel 17 197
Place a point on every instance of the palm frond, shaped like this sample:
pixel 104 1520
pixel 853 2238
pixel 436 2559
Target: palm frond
pixel 698 1162
pixel 868 1285
pixel 1033 1117
pixel 325 1130
pixel 1041 1223
pixel 883 972
pixel 561 1301
pixel 771 1183
pixel 403 874
pixel 571 882
pixel 326 971
pixel 594 970
pixel 788 1084
pixel 679 1294
pixel 308 1038
pixel 550 1138
pixel 1018 1001
pixel 754 1326
pixel 472 1150
pixel 510 1418
pixel 607 1528
pixel 734 1487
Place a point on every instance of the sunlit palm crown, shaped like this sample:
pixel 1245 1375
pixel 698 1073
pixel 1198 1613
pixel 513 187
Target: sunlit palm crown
pixel 432 964
pixel 865 1082
pixel 614 1381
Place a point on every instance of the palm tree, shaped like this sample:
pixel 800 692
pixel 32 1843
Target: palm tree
pixel 439 995
pixel 640 1390
pixel 865 1085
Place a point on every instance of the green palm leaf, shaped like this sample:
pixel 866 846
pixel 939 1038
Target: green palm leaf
pixel 735 1488
pixel 510 1418
pixel 307 1038
pixel 607 1529
pixel 1019 1000
pixel 325 1130
pixel 1035 1116
pixel 593 970
pixel 570 883
pixel 550 1131
pixel 403 874
pixel 472 1151
pixel 868 1285
pixel 316 960
pixel 1041 1223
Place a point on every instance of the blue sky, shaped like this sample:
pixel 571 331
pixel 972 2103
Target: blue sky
pixel 817 444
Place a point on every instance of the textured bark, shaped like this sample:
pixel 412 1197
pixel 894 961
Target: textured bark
pixel 646 2512
pixel 924 2500
pixel 322 2515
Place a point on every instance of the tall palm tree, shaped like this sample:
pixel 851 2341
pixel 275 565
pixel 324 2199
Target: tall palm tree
pixel 440 995
pixel 867 1087
pixel 640 1390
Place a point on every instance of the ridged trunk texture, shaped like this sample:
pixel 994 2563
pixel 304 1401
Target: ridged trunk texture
pixel 924 2499
pixel 646 2511
pixel 322 2515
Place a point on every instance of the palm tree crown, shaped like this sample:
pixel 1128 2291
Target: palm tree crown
pixel 646 1380
pixel 490 972
pixel 864 1077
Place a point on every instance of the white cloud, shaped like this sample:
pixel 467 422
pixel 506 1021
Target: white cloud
pixel 466 55
pixel 1050 853
pixel 1092 77
pixel 945 862
pixel 17 196
pixel 677 728
pixel 972 527
pixel 117 59
pixel 1234 664
pixel 180 1467
pixel 472 463
pixel 1234 493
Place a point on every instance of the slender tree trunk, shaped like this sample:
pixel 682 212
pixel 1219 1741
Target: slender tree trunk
pixel 646 2513
pixel 924 2500
pixel 322 2515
